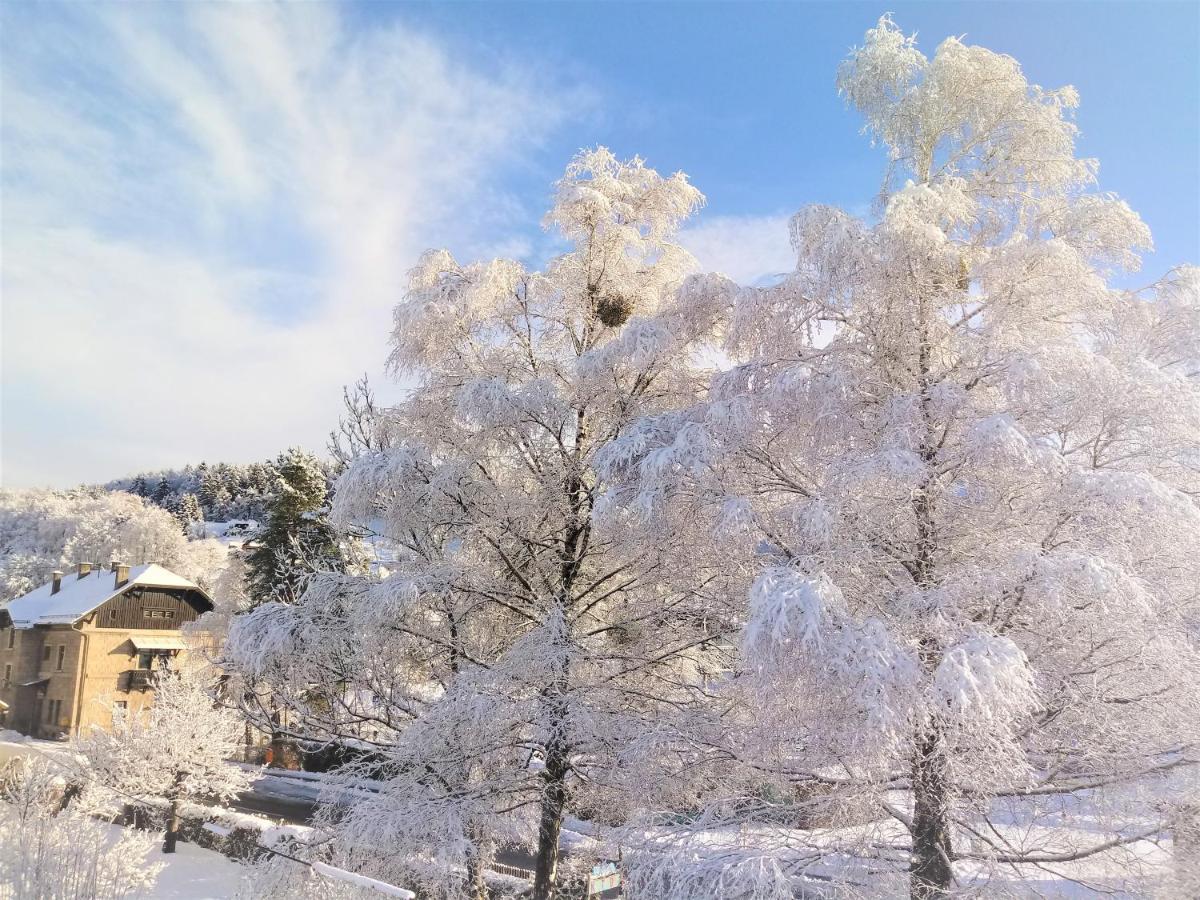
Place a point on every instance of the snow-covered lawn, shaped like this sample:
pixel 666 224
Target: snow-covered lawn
pixel 193 873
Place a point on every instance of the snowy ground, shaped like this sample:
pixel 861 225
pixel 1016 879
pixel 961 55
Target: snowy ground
pixel 14 744
pixel 193 873
pixel 231 534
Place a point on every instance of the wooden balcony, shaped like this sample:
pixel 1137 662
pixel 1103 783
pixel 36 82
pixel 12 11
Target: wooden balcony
pixel 139 679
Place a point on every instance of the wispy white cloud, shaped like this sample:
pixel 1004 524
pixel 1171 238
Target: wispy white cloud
pixel 208 210
pixel 748 249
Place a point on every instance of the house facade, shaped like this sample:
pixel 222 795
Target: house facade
pixel 81 643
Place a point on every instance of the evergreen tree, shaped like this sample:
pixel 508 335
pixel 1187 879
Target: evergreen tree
pixel 161 493
pixel 204 489
pixel 298 539
pixel 188 511
pixel 139 486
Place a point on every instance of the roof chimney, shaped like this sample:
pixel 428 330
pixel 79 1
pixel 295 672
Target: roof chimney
pixel 56 582
pixel 112 565
pixel 122 575
pixel 84 569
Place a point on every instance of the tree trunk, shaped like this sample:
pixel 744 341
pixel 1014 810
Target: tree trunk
pixel 1185 832
pixel 476 884
pixel 554 801
pixel 930 873
pixel 477 860
pixel 172 828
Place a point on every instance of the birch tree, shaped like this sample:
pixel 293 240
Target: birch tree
pixel 964 468
pixel 530 647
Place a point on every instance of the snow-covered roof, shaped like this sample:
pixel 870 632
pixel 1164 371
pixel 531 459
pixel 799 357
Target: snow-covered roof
pixel 79 596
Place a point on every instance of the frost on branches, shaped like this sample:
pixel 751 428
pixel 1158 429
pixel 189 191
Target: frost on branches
pixel 511 665
pixel 54 848
pixel 962 469
pixel 177 750
pixel 41 531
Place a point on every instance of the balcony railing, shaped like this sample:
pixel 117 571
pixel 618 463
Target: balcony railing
pixel 139 679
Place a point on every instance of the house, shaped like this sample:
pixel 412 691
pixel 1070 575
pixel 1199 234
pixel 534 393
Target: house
pixel 79 644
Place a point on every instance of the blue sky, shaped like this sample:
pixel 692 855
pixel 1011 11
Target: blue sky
pixel 208 209
pixel 740 95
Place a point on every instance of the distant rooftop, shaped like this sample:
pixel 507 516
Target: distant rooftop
pixel 79 595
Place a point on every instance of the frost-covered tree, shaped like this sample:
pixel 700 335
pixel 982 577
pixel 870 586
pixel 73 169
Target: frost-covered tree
pixel 231 597
pixel 360 428
pixel 177 750
pixel 41 531
pixel 188 512
pixel 54 848
pixel 533 649
pixel 162 493
pixel 964 470
pixel 225 491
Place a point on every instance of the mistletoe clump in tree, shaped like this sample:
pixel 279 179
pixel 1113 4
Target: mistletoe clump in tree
pixel 518 653
pixel 965 468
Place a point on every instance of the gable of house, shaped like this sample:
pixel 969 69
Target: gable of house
pixel 78 644
pixel 150 607
pixel 66 599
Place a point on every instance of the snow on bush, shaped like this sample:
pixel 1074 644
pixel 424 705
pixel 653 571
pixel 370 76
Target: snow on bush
pixel 52 848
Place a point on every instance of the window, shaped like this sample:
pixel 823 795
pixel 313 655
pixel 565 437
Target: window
pixel 53 710
pixel 62 655
pixel 122 705
pixel 8 674
pixel 46 653
pixel 12 637
pixel 145 659
pixel 112 613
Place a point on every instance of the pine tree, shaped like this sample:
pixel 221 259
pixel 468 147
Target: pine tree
pixel 188 511
pixel 138 486
pixel 206 490
pixel 298 539
pixel 162 493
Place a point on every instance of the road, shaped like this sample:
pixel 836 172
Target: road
pixel 293 810
pixel 261 801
